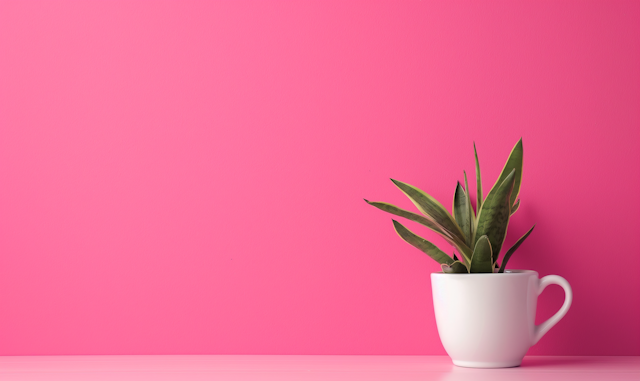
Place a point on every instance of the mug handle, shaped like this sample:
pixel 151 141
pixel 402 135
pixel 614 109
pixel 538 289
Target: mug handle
pixel 540 330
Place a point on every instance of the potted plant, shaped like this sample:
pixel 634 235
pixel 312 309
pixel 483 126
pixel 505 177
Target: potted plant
pixel 485 314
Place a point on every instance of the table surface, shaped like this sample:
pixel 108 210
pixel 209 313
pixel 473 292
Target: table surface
pixel 303 367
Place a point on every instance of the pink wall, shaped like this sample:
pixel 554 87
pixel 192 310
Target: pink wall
pixel 187 177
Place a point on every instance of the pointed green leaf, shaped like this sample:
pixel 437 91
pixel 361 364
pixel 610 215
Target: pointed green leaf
pixel 463 249
pixel 430 207
pixel 472 217
pixel 461 212
pixel 438 214
pixel 514 162
pixel 461 259
pixel 513 249
pixel 515 207
pixel 422 244
pixel 478 182
pixel 408 215
pixel 421 220
pixel 494 215
pixel 481 260
pixel 456 267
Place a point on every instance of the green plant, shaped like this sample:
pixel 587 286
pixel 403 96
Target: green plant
pixel 478 237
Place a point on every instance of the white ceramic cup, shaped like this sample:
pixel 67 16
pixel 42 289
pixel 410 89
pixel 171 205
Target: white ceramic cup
pixel 488 320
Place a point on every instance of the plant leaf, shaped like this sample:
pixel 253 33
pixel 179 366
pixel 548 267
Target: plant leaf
pixel 481 260
pixel 438 214
pixel 456 267
pixel 461 246
pixel 472 217
pixel 514 162
pixel 408 215
pixel 461 212
pixel 463 249
pixel 494 215
pixel 462 259
pixel 478 183
pixel 422 244
pixel 515 207
pixel 430 207
pixel 513 249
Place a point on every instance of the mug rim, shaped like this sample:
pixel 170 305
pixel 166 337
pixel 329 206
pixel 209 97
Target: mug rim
pixel 514 272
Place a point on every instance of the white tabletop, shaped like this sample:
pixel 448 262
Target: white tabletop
pixel 303 367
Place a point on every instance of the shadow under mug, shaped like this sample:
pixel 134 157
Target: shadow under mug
pixel 488 320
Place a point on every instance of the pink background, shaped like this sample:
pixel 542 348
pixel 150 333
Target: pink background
pixel 187 177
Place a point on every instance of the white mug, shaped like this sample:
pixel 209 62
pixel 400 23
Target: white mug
pixel 488 320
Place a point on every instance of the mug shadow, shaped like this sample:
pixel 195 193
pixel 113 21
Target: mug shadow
pixel 533 368
pixel 554 362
